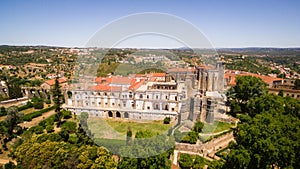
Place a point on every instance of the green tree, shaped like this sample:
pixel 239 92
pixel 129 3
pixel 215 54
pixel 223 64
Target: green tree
pixel 69 126
pixel 58 100
pixel 13 118
pixel 3 111
pixel 280 93
pixel 154 151
pixel 167 120
pixel 246 88
pixel 297 84
pixel 49 128
pixel 186 161
pixel 269 136
pixel 191 137
pixel 198 126
pixel 129 136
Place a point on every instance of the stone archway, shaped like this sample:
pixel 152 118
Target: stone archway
pixel 110 114
pixel 118 114
pixel 126 115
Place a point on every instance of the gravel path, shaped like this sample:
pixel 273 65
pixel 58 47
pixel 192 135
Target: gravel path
pixel 36 121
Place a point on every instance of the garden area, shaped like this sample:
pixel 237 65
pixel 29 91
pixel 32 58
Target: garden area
pixel 117 128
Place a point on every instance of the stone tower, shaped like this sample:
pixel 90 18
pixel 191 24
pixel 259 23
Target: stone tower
pixel 220 66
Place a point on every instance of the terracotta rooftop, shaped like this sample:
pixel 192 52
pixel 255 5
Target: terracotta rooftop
pixel 119 80
pixel 136 85
pixel 158 74
pixel 106 88
pixel 232 76
pixel 52 81
pixel 98 80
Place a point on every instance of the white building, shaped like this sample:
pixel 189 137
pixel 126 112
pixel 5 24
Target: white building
pixel 147 97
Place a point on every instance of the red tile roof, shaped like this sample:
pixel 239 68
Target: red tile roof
pixel 106 88
pixel 98 80
pixel 136 85
pixel 119 80
pixel 232 76
pixel 52 81
pixel 158 74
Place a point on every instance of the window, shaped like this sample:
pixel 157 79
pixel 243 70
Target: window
pixel 156 106
pixel 105 103
pixel 173 109
pixel 141 96
pixel 156 96
pixel 147 96
pixel 113 104
pixel 105 94
pixel 148 107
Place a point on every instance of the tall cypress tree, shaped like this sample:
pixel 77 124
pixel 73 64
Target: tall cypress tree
pixel 57 99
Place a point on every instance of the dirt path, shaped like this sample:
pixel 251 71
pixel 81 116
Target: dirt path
pixel 36 121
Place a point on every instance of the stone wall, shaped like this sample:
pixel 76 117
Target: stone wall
pixel 209 147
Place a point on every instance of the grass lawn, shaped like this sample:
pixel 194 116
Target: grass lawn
pixel 116 129
pixel 217 127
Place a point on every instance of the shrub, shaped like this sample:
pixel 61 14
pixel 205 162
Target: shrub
pixel 27 106
pixel 38 105
pixel 39 130
pixel 42 123
pixel 30 116
pixel 49 128
pixel 48 101
pixel 67 114
pixel 167 120
pixel 185 161
pixel 191 137
pixel 198 127
pixel 3 111
pixel 69 126
pixel 10 165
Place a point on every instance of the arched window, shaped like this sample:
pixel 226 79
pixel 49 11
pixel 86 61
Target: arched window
pixel 126 115
pixel 118 114
pixel 110 114
pixel 156 106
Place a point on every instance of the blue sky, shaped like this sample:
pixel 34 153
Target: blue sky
pixel 234 23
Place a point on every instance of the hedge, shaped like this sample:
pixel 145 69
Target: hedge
pixel 26 106
pixel 30 116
